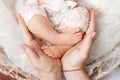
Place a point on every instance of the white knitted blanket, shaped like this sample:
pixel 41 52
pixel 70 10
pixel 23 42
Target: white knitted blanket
pixel 105 53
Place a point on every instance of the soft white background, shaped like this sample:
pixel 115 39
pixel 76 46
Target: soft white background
pixel 114 75
pixel 108 34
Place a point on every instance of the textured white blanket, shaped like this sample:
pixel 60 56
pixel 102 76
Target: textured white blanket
pixel 105 53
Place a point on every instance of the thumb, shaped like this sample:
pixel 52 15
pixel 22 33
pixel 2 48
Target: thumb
pixel 27 36
pixel 31 54
pixel 87 43
pixel 91 27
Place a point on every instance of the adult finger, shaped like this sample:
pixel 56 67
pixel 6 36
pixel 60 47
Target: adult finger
pixel 88 39
pixel 91 27
pixel 25 32
pixel 31 54
pixel 85 47
pixel 90 30
pixel 87 43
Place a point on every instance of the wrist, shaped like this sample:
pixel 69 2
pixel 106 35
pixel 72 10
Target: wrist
pixel 68 66
pixel 78 74
pixel 51 75
pixel 71 70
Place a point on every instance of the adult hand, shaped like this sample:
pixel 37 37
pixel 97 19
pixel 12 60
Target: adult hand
pixel 49 68
pixel 74 59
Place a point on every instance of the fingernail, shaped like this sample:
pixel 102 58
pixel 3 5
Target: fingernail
pixel 22 47
pixel 93 34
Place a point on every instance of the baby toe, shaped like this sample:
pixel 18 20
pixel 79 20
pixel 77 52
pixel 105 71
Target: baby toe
pixel 47 52
pixel 51 54
pixel 44 47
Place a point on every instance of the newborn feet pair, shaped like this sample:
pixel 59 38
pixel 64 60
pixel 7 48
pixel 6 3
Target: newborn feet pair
pixel 69 38
pixel 54 51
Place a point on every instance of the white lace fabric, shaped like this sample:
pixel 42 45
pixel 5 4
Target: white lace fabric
pixel 75 18
pixel 61 17
pixel 105 53
pixel 30 10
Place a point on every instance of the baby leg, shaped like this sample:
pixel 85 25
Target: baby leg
pixel 55 51
pixel 39 25
pixel 75 18
pixel 37 22
pixel 42 28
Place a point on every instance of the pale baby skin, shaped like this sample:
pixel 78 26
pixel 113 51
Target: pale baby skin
pixel 42 27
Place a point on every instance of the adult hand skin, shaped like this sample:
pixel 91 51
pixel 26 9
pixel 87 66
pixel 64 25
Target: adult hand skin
pixel 74 59
pixel 49 68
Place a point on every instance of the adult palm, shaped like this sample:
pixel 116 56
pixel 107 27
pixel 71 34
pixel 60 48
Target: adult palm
pixel 32 47
pixel 72 59
pixel 75 57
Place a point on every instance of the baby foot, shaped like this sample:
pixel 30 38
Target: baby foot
pixel 54 51
pixel 70 37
